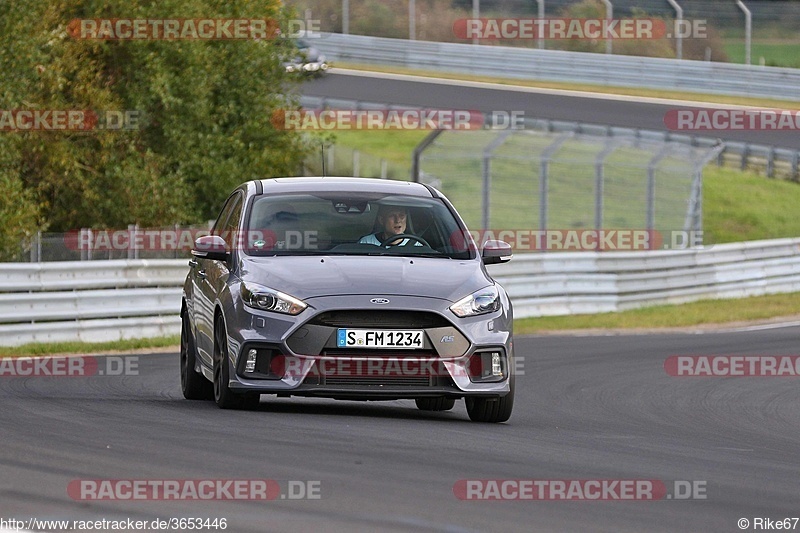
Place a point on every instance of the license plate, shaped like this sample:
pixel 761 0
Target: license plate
pixel 370 338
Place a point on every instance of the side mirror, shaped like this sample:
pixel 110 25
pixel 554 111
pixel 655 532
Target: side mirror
pixel 495 252
pixel 211 247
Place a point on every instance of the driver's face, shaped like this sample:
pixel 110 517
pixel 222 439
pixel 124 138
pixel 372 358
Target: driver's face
pixel 394 222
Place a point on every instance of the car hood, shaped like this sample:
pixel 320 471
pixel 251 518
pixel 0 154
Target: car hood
pixel 316 276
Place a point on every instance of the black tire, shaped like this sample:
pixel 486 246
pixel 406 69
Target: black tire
pixel 193 384
pixel 435 404
pixel 492 409
pixel 224 397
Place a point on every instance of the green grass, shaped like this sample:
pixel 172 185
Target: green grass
pixel 664 316
pixel 741 206
pixel 393 145
pixel 782 54
pixel 88 347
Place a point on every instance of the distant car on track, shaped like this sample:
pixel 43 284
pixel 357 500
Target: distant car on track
pixel 308 60
pixel 283 298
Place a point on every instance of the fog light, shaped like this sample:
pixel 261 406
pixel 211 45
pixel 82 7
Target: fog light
pixel 497 369
pixel 250 366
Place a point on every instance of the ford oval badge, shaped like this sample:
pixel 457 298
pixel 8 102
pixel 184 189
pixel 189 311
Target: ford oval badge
pixel 379 301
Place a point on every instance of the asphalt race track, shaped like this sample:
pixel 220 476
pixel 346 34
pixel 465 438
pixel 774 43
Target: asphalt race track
pixel 627 112
pixel 588 408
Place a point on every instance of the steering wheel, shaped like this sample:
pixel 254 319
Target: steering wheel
pixel 403 236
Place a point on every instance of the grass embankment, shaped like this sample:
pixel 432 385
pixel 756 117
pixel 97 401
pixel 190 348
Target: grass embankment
pixel 57 348
pixel 781 53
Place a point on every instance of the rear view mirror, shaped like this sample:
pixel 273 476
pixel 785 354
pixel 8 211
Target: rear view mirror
pixel 495 252
pixel 211 247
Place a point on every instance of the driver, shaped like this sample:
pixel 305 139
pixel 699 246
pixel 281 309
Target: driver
pixel 393 220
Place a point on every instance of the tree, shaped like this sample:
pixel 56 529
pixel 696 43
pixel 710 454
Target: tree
pixel 203 109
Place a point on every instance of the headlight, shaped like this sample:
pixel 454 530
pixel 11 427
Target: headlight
pixel 260 297
pixel 479 302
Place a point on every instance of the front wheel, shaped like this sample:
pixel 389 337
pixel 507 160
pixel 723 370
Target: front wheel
pixel 224 397
pixel 435 404
pixel 492 409
pixel 193 384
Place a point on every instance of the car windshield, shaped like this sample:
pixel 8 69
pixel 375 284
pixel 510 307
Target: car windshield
pixel 353 224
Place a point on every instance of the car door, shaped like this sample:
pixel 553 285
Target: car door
pixel 207 275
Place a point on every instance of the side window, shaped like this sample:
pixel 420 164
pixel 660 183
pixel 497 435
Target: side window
pixel 223 215
pixel 231 228
pixel 227 223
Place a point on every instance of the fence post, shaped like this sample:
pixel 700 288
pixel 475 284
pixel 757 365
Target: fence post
pixel 36 248
pixel 694 213
pixel 417 155
pixel 487 176
pixel 476 14
pixel 547 153
pixel 748 30
pixel 678 29
pixel 609 16
pixel 650 217
pixel 412 20
pixel 771 162
pixel 599 181
pixel 540 40
pixel 86 236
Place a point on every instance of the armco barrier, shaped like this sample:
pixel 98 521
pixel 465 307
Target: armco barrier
pixel 89 301
pixel 109 300
pixel 556 65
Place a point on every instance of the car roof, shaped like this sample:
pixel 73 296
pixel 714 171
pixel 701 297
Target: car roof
pixel 338 184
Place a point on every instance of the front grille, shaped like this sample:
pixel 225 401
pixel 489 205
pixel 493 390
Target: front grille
pixel 365 381
pixel 380 319
pixel 363 374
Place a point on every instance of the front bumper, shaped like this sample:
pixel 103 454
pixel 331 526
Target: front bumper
pixel 298 356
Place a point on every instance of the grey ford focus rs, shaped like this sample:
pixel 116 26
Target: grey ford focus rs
pixel 347 288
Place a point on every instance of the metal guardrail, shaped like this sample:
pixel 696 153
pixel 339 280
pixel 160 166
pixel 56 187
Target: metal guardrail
pixel 597 282
pixel 111 300
pixel 89 301
pixel 556 65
